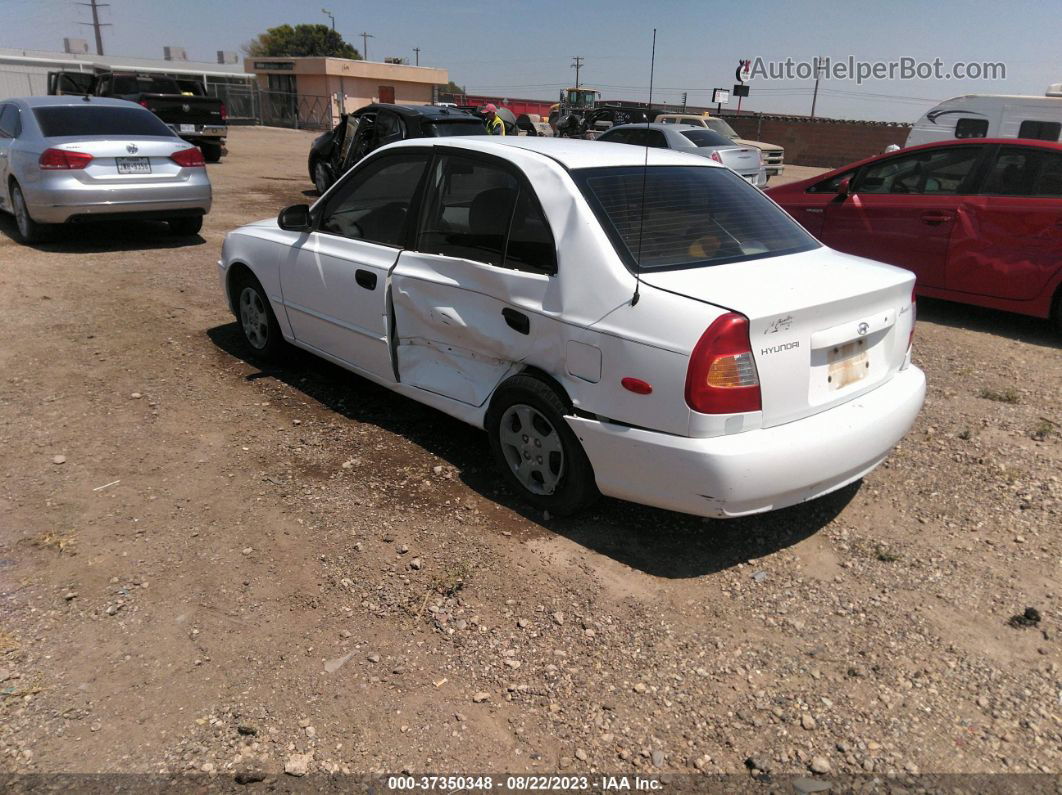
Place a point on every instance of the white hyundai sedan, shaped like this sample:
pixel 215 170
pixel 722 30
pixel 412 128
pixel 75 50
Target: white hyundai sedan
pixel 644 325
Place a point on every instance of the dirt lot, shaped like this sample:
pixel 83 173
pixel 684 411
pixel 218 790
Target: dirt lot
pixel 235 569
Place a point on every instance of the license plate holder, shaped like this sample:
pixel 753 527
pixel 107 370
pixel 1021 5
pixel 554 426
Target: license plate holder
pixel 133 165
pixel 847 364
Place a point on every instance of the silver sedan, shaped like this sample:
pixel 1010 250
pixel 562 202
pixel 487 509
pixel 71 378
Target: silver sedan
pixel 70 159
pixel 745 160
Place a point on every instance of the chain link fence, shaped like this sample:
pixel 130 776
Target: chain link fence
pixel 250 104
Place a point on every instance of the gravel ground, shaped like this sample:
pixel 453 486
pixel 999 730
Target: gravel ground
pixel 206 566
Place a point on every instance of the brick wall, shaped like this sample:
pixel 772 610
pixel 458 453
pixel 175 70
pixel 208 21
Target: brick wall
pixel 828 143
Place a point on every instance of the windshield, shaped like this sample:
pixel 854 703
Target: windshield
pixel 707 138
pixel 688 216
pixel 721 127
pixel 86 119
pixel 447 129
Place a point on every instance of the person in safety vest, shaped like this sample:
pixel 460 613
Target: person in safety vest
pixel 495 126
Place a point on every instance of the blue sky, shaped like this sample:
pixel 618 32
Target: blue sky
pixel 520 48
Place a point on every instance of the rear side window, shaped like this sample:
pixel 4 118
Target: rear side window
pixel 448 129
pixel 933 172
pixel 706 138
pixel 971 128
pixel 480 211
pixel 1040 130
pixel 1018 171
pixel 688 216
pixel 10 124
pixel 88 119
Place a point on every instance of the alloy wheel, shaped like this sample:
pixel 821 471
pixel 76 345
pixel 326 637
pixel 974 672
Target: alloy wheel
pixel 254 318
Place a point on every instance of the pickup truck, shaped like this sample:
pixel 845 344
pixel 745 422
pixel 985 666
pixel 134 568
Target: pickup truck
pixel 196 118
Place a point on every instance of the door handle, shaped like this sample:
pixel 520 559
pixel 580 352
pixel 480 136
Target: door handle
pixel 936 218
pixel 366 279
pixel 517 321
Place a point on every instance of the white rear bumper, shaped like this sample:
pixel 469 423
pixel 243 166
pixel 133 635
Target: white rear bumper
pixel 754 471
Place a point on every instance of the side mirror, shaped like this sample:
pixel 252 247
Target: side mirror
pixel 844 187
pixel 295 218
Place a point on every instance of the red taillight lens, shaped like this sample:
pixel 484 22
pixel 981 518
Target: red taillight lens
pixel 914 317
pixel 142 103
pixel 189 158
pixel 56 159
pixel 715 156
pixel 722 377
pixel 224 112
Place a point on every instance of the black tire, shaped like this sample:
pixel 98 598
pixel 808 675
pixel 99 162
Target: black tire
pixel 322 178
pixel 255 315
pixel 574 487
pixel 186 226
pixel 211 152
pixel 27 230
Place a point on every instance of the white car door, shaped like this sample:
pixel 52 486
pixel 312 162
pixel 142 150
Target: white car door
pixel 335 288
pixel 476 294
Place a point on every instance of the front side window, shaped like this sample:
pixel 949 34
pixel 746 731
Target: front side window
pixel 932 172
pixel 666 217
pixel 1040 130
pixel 373 203
pixel 480 210
pixel 971 128
pixel 832 184
pixel 1018 171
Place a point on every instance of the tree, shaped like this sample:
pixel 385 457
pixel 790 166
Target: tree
pixel 285 41
pixel 452 88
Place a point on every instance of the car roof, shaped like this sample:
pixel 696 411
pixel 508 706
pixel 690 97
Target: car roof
pixel 571 153
pixel 428 111
pixel 71 99
pixel 656 126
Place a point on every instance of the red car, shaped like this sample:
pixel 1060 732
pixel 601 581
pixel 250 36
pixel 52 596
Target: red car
pixel 978 220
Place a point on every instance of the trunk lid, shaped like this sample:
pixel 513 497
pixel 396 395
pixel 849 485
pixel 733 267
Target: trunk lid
pixel 825 327
pixel 743 160
pixel 124 161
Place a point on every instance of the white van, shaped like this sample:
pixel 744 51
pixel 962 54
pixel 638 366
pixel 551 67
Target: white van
pixel 990 116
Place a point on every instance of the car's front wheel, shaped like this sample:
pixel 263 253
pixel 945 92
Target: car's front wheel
pixel 29 231
pixel 257 321
pixel 537 451
pixel 322 179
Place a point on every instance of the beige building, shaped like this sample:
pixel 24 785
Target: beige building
pixel 316 87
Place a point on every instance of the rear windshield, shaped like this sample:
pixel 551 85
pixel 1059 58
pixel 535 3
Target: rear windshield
pixel 86 119
pixel 131 84
pixel 446 129
pixel 707 138
pixel 688 217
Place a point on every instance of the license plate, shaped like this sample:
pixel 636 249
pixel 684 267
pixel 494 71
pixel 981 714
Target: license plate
pixel 134 165
pixel 187 128
pixel 848 363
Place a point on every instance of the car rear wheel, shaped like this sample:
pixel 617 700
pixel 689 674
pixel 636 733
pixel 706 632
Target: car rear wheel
pixel 538 453
pixel 29 231
pixel 211 152
pixel 322 180
pixel 257 321
pixel 186 227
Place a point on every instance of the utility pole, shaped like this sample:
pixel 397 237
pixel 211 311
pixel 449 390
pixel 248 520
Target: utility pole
pixel 95 23
pixel 416 50
pixel 365 45
pixel 577 64
pixel 815 93
pixel 683 101
pixel 329 14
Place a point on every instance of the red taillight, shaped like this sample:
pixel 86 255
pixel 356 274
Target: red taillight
pixel 715 156
pixel 55 159
pixel 142 103
pixel 722 377
pixel 914 317
pixel 189 158
pixel 224 112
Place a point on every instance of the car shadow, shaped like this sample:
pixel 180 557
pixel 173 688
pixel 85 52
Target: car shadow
pixel 104 236
pixel 1023 328
pixel 657 542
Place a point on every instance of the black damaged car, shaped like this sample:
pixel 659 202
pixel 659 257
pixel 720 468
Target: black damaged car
pixel 373 126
